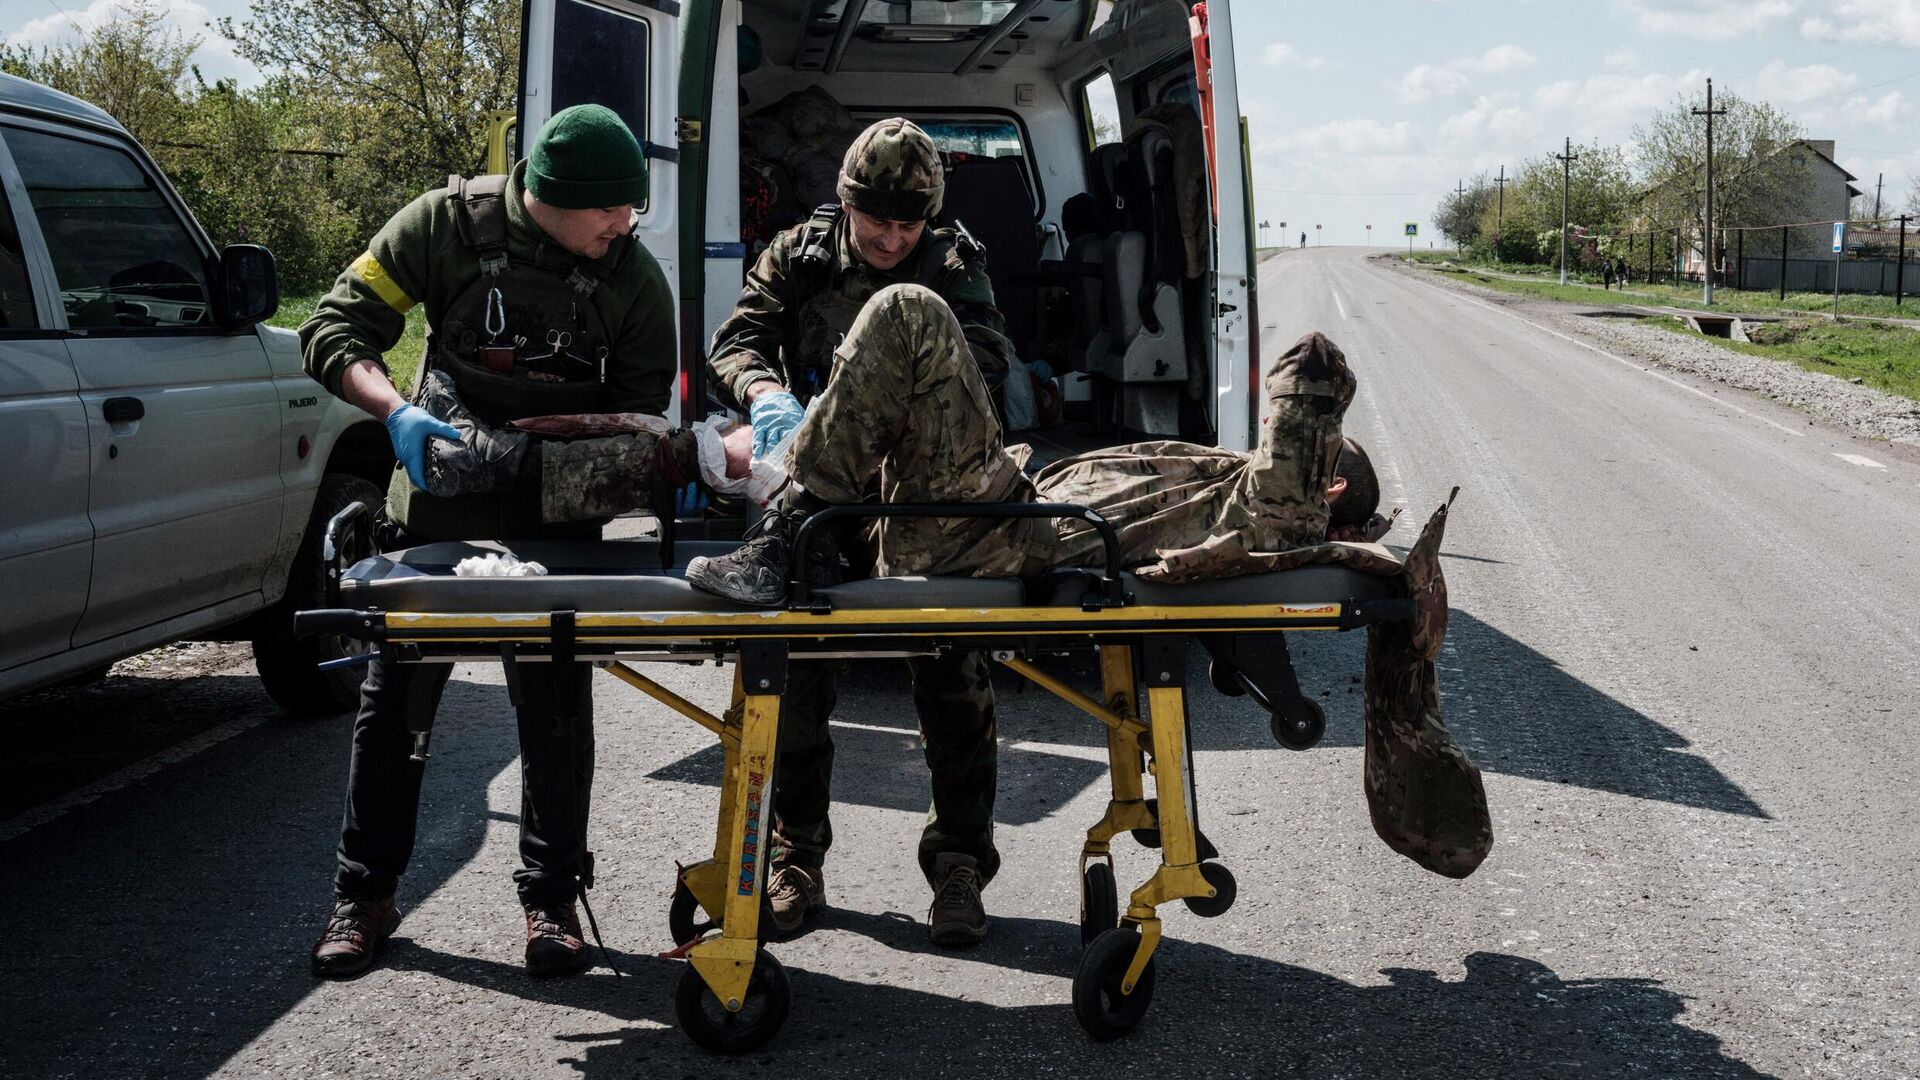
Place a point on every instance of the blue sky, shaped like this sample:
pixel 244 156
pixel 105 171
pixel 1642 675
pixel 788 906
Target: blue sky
pixel 1367 111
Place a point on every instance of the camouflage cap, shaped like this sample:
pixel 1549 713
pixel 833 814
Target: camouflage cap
pixel 893 171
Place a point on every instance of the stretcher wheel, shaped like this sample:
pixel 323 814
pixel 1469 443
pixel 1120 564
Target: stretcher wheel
pixel 1099 902
pixel 1210 907
pixel 1098 1004
pixel 1302 731
pixel 1226 679
pixel 686 920
pixel 707 1022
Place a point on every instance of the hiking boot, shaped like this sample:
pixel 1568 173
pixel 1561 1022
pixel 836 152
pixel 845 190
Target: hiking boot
pixel 356 933
pixel 793 893
pixel 957 917
pixel 756 572
pixel 555 945
pixel 486 459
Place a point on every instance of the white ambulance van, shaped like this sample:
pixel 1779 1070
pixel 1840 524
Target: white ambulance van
pixel 1097 154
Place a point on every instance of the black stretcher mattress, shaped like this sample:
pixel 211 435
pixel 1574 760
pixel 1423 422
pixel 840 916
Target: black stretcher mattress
pixel 626 575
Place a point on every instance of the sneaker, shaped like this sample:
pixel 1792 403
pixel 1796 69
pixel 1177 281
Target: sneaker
pixel 793 893
pixel 485 459
pixel 555 945
pixel 356 934
pixel 957 917
pixel 756 572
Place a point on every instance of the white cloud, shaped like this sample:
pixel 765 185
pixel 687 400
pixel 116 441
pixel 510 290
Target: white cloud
pixel 1710 20
pixel 1497 60
pixel 1428 83
pixel 1357 137
pixel 215 56
pixel 1433 82
pixel 1620 59
pixel 1890 111
pixel 1779 83
pixel 1894 21
pixel 1283 54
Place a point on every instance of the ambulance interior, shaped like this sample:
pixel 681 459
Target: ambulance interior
pixel 1076 159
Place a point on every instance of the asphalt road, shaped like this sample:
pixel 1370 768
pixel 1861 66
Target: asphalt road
pixel 1685 649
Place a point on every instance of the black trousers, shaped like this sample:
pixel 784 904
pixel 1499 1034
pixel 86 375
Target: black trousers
pixel 383 786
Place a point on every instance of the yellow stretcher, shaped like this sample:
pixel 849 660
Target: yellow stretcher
pixel 614 603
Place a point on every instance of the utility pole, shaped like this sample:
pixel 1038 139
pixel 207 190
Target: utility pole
pixel 1459 197
pixel 1566 180
pixel 1500 215
pixel 1877 186
pixel 1709 112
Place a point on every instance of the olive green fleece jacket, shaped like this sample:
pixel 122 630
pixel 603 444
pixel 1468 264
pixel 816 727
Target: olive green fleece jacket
pixel 418 257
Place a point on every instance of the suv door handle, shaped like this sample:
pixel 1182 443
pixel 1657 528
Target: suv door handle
pixel 122 410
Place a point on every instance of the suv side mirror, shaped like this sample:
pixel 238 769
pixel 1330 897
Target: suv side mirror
pixel 249 291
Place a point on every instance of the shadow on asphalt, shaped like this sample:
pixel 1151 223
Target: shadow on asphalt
pixel 136 948
pixel 1514 709
pixel 1215 1013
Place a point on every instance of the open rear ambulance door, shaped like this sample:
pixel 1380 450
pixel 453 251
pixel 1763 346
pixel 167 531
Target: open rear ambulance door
pixel 623 54
pixel 1236 370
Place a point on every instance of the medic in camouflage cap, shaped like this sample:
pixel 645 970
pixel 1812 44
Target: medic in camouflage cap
pixel 893 171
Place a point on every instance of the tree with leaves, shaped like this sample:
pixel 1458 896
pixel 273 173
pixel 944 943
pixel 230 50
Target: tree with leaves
pixel 133 66
pixel 1600 192
pixel 1761 173
pixel 408 87
pixel 1459 215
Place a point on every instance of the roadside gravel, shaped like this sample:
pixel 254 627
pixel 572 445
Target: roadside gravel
pixel 1860 410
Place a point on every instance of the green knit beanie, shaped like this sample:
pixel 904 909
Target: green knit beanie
pixel 585 158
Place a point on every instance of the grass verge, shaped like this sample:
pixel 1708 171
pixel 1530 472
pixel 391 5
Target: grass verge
pixel 403 360
pixel 1687 295
pixel 1883 357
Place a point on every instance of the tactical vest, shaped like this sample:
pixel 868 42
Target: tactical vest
pixel 819 313
pixel 521 340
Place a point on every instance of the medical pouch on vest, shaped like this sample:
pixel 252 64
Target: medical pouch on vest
pixel 522 340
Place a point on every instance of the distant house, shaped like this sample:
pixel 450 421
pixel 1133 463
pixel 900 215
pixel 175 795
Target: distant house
pixel 1826 196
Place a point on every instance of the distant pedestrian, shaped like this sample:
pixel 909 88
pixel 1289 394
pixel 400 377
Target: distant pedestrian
pixel 1606 273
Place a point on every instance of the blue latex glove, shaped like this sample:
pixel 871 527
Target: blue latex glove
pixel 690 501
pixel 1041 370
pixel 409 427
pixel 774 417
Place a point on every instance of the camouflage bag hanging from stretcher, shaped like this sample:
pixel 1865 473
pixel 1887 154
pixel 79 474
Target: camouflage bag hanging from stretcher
pixel 1424 794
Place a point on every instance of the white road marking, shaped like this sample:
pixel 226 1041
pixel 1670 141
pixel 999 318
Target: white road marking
pixel 1617 359
pixel 1088 753
pixel 1856 459
pixel 1337 303
pixel 132 774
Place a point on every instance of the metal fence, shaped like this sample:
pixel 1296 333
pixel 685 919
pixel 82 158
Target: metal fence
pixel 1876 276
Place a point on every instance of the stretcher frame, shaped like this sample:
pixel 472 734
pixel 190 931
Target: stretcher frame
pixel 1135 645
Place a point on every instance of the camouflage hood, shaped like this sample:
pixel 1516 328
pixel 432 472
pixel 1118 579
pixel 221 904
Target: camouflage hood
pixel 893 171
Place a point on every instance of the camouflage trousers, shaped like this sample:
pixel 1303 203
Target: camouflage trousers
pixel 906 406
pixel 953 695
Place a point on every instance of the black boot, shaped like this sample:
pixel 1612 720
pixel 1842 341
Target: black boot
pixel 756 573
pixel 486 458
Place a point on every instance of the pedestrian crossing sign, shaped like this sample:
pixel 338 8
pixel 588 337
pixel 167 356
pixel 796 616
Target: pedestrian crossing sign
pixel 1413 228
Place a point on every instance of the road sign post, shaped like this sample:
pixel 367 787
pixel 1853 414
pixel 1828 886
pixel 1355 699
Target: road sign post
pixel 1839 245
pixel 1369 236
pixel 1413 230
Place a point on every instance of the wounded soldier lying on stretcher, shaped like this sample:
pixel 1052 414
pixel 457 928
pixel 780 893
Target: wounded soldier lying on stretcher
pixel 906 409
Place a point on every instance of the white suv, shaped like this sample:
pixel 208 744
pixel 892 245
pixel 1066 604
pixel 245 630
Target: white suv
pixel 166 467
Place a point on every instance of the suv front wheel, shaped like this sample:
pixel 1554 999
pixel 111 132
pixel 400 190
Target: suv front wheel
pixel 289 666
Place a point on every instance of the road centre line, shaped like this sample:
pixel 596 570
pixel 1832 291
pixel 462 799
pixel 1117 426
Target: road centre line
pixel 1617 359
pixel 1336 301
pixel 1856 459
